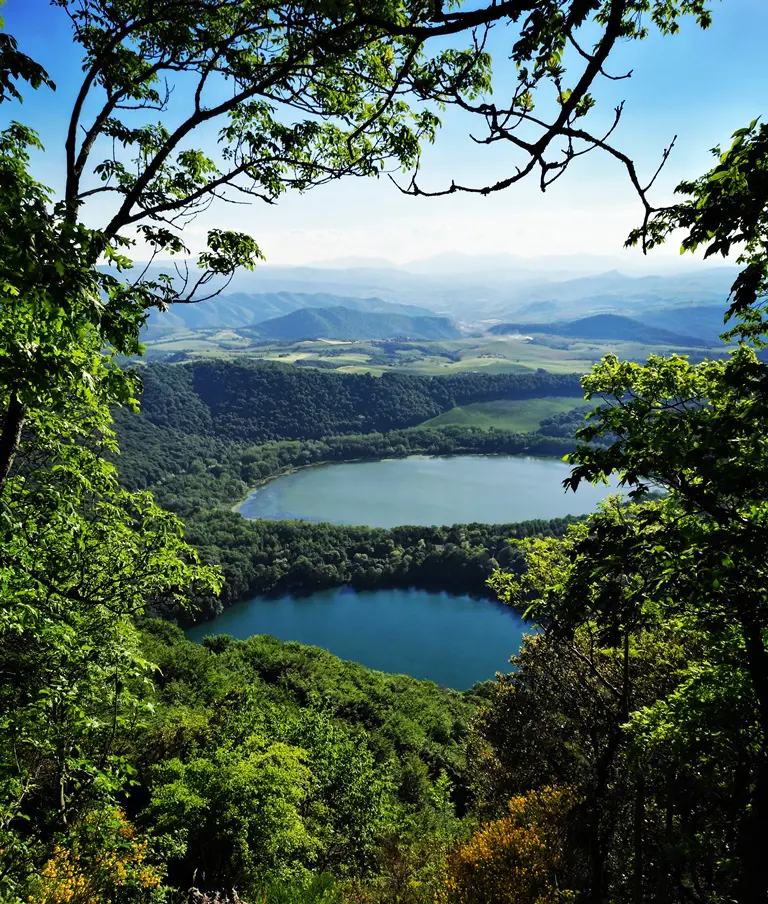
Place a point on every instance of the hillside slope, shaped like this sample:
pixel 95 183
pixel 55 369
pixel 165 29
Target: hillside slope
pixel 257 402
pixel 241 309
pixel 603 327
pixel 346 323
pixel 704 320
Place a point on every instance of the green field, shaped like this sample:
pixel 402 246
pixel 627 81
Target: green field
pixel 482 354
pixel 522 416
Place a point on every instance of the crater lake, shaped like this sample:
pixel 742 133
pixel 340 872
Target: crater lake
pixel 490 489
pixel 451 640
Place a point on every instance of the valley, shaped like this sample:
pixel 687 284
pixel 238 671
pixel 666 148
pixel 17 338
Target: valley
pixel 393 320
pixel 383 498
pixel 259 459
pixel 479 354
pixel 560 325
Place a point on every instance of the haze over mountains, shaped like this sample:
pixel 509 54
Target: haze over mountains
pixel 556 266
pixel 241 309
pixel 474 293
pixel 501 294
pixel 603 326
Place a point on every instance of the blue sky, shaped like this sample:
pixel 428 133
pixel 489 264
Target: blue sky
pixel 698 85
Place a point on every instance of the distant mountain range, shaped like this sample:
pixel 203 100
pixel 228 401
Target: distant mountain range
pixel 472 292
pixel 604 327
pixel 562 266
pixel 346 323
pixel 469 290
pixel 701 320
pixel 500 293
pixel 242 309
pixel 616 293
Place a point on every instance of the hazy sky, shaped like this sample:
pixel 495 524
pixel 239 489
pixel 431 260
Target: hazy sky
pixel 698 85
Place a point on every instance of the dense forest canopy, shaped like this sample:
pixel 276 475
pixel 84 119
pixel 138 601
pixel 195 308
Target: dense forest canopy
pixel 625 759
pixel 196 473
pixel 260 401
pixel 189 472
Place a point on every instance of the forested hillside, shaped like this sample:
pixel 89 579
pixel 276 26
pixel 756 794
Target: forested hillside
pixel 197 445
pixel 345 323
pixel 257 402
pixel 234 310
pixel 296 556
pixel 284 767
pixel 189 472
pixel 199 476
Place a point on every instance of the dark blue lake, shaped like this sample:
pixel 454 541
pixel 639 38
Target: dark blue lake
pixel 452 640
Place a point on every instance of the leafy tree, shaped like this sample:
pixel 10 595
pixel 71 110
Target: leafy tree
pixel 726 210
pixel 693 559
pixel 697 431
pixel 236 815
pixel 59 310
pixel 657 809
pixel 81 558
pixel 346 774
pixel 58 336
pixel 562 53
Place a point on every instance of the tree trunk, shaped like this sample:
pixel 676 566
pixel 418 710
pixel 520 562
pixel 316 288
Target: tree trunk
pixel 13 425
pixel 600 838
pixel 752 886
pixel 600 835
pixel 639 840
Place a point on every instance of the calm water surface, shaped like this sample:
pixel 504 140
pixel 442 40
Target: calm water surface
pixel 452 640
pixel 453 490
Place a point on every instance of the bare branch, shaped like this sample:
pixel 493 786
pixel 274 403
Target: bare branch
pixel 588 56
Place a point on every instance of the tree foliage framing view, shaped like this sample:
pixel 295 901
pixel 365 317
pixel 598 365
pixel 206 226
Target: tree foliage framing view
pixel 654 649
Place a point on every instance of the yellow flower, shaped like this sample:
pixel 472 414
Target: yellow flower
pixel 103 853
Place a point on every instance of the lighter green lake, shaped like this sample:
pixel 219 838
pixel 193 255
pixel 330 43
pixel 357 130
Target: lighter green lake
pixel 492 489
pixel 452 640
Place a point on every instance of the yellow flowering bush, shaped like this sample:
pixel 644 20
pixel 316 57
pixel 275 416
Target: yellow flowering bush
pixel 102 861
pixel 519 859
